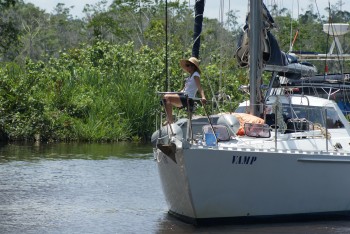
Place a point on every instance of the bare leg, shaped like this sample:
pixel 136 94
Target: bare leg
pixel 169 112
pixel 171 100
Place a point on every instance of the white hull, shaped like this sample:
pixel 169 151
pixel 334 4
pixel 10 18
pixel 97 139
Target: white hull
pixel 294 173
pixel 226 183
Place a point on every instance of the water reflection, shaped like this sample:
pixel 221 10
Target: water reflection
pixel 94 151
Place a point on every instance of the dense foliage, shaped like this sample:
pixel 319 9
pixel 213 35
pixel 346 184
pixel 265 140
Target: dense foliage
pixel 96 78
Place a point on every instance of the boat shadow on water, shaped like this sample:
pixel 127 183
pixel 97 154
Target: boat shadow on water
pixel 275 219
pixel 322 224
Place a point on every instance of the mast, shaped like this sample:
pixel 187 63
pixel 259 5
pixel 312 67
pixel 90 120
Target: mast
pixel 255 60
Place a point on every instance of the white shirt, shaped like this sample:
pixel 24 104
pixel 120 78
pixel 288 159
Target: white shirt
pixel 191 86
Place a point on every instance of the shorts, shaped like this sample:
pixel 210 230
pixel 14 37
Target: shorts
pixel 183 99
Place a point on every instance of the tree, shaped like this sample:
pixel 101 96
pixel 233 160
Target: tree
pixel 65 32
pixel 32 23
pixel 9 30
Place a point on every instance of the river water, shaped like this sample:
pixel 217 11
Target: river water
pixel 102 188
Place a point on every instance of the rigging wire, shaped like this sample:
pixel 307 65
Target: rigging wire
pixel 220 95
pixel 221 10
pixel 291 29
pixel 345 94
pixel 292 42
pixel 214 99
pixel 341 63
pixel 167 85
pixel 327 41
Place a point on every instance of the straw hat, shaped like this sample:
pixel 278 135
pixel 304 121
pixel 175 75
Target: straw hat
pixel 192 60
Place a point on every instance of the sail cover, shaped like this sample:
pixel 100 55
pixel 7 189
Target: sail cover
pixel 198 20
pixel 273 58
pixel 268 41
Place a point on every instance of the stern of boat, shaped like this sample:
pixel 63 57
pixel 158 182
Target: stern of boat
pixel 168 152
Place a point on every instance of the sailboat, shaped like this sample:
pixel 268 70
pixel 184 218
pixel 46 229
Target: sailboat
pixel 295 163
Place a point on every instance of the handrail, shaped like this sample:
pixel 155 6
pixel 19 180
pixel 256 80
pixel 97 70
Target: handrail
pixel 161 93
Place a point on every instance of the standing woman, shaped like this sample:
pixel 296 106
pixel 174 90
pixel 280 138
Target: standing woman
pixel 192 85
